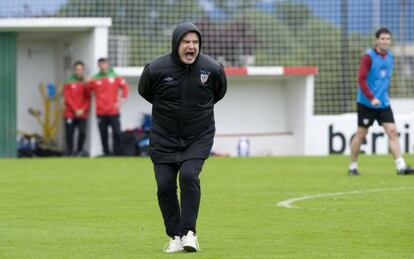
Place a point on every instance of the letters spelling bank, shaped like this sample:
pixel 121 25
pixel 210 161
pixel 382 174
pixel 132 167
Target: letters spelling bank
pixel 338 141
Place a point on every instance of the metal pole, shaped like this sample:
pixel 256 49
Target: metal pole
pixel 376 7
pixel 344 87
pixel 402 21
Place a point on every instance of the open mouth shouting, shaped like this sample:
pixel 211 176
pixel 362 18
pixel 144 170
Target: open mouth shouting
pixel 189 48
pixel 189 55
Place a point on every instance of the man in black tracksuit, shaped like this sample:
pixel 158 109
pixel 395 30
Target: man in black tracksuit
pixel 182 87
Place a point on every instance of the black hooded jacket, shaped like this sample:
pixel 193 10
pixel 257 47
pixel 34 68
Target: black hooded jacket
pixel 182 98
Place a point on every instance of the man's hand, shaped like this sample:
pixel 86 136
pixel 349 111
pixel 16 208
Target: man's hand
pixel 120 102
pixel 375 102
pixel 79 112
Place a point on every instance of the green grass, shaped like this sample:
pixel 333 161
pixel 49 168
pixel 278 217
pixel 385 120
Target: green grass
pixel 107 208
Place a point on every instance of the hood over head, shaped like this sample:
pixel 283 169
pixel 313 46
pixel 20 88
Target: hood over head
pixel 179 32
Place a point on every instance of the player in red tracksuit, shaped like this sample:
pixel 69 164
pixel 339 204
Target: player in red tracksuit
pixel 77 102
pixel 106 86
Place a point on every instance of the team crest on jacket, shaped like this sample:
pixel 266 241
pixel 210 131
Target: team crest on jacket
pixel 204 74
pixel 168 79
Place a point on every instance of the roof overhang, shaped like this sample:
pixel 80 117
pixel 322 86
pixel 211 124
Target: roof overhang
pixel 52 24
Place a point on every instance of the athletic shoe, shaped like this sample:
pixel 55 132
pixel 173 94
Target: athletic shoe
pixel 190 243
pixel 405 171
pixel 82 154
pixel 353 172
pixel 174 245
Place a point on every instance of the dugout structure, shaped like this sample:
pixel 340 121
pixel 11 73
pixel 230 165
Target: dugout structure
pixel 271 106
pixel 43 50
pixel 36 50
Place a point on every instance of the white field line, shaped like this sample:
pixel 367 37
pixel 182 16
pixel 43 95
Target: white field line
pixel 289 202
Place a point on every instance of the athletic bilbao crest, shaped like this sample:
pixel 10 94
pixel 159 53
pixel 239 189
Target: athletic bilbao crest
pixel 204 74
pixel 383 73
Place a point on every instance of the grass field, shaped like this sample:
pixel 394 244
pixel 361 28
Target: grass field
pixel 107 208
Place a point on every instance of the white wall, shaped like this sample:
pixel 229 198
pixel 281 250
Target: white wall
pixel 35 64
pixel 268 106
pixel 134 108
pixel 43 60
pixel 273 104
pixel 74 47
pixel 333 133
pixel 87 46
pixel 71 48
pixel 402 105
pixel 298 96
pixel 48 57
pixel 252 105
pixel 97 48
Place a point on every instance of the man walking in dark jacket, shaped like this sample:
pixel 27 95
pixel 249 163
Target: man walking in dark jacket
pixel 182 87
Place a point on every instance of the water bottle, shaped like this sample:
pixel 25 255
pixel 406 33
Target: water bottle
pixel 243 147
pixel 32 144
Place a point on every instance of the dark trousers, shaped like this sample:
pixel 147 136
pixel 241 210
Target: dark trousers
pixel 178 222
pixel 71 125
pixel 113 121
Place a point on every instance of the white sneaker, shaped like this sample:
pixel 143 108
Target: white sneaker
pixel 174 245
pixel 190 243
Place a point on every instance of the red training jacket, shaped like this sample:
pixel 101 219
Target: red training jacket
pixel 106 87
pixel 76 97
